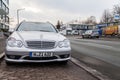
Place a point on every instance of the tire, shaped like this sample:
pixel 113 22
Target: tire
pixel 97 36
pixel 113 34
pixel 119 36
pixel 89 37
pixel 83 37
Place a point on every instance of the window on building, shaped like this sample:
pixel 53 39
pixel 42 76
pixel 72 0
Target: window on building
pixel 0 3
pixel 3 6
pixel 7 19
pixel 7 10
pixel 3 26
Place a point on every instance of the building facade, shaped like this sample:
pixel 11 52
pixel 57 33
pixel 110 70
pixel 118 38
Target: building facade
pixel 4 15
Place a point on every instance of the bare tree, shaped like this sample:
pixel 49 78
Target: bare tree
pixel 107 17
pixel 58 25
pixel 116 9
pixel 91 20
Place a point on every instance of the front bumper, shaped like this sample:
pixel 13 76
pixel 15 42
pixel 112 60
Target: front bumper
pixel 14 56
pixel 35 61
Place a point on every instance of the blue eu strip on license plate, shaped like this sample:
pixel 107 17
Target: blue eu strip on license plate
pixel 30 54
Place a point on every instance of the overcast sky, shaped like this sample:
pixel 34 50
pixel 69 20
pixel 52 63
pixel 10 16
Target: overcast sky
pixel 64 10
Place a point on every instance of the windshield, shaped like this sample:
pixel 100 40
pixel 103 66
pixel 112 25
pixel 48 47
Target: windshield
pixel 95 31
pixel 36 26
pixel 88 32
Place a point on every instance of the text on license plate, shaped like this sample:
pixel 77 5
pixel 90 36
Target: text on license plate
pixel 41 54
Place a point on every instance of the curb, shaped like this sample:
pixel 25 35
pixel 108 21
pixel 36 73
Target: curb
pixel 91 71
pixel 2 55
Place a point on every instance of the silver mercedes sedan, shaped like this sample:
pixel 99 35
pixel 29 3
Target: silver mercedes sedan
pixel 37 42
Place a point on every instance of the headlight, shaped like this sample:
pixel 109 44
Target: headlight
pixel 65 43
pixel 12 42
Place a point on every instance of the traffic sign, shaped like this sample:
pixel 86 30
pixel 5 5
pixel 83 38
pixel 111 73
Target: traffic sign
pixel 116 16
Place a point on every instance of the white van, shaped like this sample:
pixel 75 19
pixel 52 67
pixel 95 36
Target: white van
pixel 91 34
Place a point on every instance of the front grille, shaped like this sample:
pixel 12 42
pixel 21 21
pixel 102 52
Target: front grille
pixel 40 58
pixel 41 44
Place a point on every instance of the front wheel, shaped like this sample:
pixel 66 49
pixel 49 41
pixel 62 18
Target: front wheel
pixel 83 37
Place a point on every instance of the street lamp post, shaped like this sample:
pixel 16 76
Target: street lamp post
pixel 18 14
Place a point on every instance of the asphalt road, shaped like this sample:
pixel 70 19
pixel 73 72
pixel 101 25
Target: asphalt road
pixel 101 55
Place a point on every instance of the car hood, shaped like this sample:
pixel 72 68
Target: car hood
pixel 37 35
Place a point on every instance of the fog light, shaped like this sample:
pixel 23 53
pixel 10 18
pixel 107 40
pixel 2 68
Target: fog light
pixel 66 56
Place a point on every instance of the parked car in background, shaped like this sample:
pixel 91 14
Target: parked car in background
pixel 37 42
pixel 75 32
pixel 90 34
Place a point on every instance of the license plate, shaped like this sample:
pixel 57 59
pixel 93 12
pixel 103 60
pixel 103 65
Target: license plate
pixel 41 54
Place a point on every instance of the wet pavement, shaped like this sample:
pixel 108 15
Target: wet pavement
pixel 103 56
